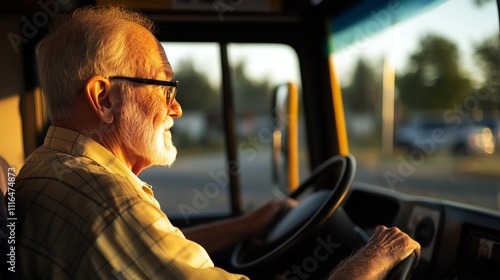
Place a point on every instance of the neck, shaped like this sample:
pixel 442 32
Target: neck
pixel 108 137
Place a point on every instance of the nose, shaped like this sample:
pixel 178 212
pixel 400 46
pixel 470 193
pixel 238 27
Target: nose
pixel 175 111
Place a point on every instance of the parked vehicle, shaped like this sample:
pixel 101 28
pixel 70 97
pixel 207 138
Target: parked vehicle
pixel 434 136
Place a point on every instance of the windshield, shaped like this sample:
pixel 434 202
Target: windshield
pixel 421 91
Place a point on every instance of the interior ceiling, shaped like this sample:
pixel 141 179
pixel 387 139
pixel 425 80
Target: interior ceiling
pixel 289 7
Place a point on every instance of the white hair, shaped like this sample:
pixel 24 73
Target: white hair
pixel 91 41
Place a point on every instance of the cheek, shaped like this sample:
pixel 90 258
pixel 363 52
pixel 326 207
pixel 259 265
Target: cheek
pixel 154 111
pixel 158 117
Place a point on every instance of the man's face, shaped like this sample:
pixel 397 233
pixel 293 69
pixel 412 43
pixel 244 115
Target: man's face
pixel 145 120
pixel 145 126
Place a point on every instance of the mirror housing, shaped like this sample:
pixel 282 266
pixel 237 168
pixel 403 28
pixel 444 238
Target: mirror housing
pixel 285 154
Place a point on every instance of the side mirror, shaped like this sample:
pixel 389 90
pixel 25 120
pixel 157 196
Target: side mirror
pixel 285 139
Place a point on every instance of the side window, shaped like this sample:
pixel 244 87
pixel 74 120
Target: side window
pixel 422 99
pixel 196 184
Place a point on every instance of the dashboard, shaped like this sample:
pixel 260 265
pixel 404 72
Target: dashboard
pixel 458 241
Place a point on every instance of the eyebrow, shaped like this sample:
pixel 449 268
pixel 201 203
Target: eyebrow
pixel 163 68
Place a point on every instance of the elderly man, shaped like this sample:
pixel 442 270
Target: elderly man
pixel 84 212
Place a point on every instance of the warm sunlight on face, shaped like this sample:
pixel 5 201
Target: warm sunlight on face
pixel 163 152
pixel 144 119
pixel 142 132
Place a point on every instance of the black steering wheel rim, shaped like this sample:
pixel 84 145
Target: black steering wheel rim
pixel 280 246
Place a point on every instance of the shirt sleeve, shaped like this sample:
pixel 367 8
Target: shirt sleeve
pixel 141 243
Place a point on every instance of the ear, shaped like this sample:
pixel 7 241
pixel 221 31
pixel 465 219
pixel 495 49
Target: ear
pixel 97 91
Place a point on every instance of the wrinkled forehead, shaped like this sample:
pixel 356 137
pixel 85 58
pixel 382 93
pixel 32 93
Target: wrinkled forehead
pixel 149 57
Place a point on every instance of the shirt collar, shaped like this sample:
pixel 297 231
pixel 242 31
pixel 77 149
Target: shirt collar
pixel 76 144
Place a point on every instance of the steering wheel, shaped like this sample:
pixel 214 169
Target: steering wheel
pixel 312 213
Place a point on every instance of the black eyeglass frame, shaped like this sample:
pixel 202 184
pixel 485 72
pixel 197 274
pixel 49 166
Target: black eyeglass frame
pixel 169 94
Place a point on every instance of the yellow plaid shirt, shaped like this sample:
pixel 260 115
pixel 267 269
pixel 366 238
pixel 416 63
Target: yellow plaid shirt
pixel 85 215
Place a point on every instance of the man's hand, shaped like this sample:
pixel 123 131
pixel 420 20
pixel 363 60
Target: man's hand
pixel 222 234
pixel 392 245
pixel 384 250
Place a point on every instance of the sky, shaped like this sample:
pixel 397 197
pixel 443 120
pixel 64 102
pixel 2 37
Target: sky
pixel 465 24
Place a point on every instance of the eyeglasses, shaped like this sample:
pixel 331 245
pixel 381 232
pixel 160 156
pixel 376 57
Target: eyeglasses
pixel 170 92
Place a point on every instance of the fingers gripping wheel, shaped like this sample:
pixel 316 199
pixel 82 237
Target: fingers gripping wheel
pixel 313 211
pixel 402 271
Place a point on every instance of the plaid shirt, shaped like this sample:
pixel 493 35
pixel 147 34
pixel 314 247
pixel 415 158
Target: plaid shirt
pixel 85 215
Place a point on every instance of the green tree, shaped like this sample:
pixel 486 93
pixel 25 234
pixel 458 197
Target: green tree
pixel 363 94
pixel 434 80
pixel 198 94
pixel 487 54
pixel 195 91
pixel 250 95
pixel 480 3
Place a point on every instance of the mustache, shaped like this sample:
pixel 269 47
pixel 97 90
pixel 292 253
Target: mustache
pixel 168 124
